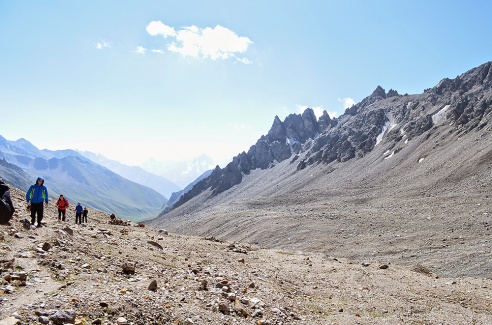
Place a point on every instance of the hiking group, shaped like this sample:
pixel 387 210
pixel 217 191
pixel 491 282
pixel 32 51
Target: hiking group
pixel 80 213
pixel 38 194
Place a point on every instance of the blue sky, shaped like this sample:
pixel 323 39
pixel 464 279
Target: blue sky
pixel 171 80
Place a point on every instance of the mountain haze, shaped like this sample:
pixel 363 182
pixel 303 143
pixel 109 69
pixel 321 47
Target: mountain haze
pixel 397 178
pixel 181 173
pixel 136 174
pixel 78 178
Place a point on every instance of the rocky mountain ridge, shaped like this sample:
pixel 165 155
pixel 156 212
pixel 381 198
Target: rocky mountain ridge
pixel 464 100
pixel 400 178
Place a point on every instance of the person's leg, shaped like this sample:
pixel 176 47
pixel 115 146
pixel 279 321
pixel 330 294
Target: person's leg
pixel 59 214
pixel 63 214
pixel 33 213
pixel 40 213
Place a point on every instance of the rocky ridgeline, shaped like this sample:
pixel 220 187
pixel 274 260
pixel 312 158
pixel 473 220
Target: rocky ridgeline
pixel 283 139
pixel 465 102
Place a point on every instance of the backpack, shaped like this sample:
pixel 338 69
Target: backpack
pixel 62 204
pixel 6 207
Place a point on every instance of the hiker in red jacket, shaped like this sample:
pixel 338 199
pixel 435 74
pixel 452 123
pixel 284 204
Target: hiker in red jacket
pixel 62 205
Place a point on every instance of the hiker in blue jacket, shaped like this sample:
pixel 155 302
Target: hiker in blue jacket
pixel 36 196
pixel 78 213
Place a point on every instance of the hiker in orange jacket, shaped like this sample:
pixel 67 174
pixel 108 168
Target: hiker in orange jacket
pixel 62 205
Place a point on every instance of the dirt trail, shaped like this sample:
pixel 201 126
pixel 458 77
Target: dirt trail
pixel 102 273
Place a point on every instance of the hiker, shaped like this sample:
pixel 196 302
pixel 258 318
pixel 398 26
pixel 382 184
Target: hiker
pixel 35 196
pixel 6 206
pixel 78 214
pixel 62 205
pixel 84 215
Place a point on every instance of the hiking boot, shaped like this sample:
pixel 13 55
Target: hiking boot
pixel 39 226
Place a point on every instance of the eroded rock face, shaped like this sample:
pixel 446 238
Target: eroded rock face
pixel 463 102
pixel 284 139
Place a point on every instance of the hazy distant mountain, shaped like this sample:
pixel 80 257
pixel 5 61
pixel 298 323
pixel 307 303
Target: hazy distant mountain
pixel 14 175
pixel 177 195
pixel 134 173
pixel 79 179
pixel 181 173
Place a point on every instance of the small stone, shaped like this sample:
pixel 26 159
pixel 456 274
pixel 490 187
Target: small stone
pixel 63 316
pixel 22 276
pixel 9 289
pixel 68 230
pixel 121 321
pixel 203 285
pixel 153 285
pixel 128 268
pixel 224 308
pixel 153 243
pixel 384 267
pixel 46 247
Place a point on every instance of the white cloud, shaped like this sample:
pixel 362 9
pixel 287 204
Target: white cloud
pixel 244 60
pixel 103 44
pixel 218 43
pixel 332 114
pixel 140 50
pixel 157 51
pixel 158 28
pixel 347 102
pixel 240 127
pixel 318 111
